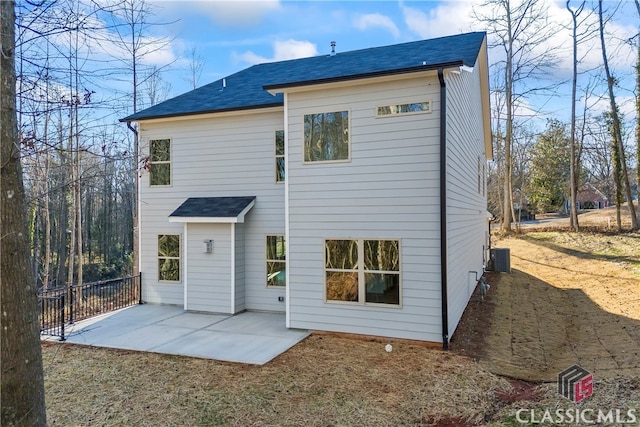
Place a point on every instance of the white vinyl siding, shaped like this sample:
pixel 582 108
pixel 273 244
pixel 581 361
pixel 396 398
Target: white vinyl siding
pixel 209 275
pixel 389 190
pixel 229 155
pixel 466 202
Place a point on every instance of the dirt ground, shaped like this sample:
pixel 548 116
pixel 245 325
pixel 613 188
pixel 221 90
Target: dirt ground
pixel 570 298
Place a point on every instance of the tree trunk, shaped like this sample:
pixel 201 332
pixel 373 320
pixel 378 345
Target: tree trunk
pixel 638 112
pixel 47 224
pixel 574 171
pixel 22 390
pixel 616 125
pixel 508 141
pixel 78 174
pixel 72 219
pixel 61 247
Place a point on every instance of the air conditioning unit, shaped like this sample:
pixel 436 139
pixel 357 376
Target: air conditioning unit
pixel 500 260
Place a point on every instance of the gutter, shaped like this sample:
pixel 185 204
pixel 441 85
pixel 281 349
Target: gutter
pixel 137 117
pixel 443 210
pixel 278 87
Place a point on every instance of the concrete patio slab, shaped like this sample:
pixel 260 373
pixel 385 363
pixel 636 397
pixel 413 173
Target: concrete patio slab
pixel 249 337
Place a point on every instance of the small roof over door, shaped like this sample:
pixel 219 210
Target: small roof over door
pixel 213 209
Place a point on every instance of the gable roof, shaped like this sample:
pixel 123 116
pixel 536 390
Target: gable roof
pixel 249 88
pixel 213 209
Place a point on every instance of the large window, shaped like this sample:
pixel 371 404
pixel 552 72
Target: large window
pixel 276 261
pixel 169 257
pixel 326 137
pixel 362 271
pixel 280 172
pixel 160 161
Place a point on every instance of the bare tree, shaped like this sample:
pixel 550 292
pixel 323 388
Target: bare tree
pixel 574 159
pixel 616 125
pixel 521 29
pixel 22 375
pixel 196 65
pixel 132 22
pixel 155 87
pixel 638 107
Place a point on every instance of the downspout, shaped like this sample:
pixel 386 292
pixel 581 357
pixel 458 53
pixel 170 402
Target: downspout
pixel 136 214
pixel 132 129
pixel 443 210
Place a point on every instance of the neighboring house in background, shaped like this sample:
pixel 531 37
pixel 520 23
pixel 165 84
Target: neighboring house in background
pixel 521 207
pixel 589 197
pixel 347 190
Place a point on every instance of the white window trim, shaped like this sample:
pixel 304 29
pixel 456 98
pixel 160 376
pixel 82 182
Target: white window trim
pixel 400 114
pixel 324 162
pixel 361 272
pixel 163 162
pixel 267 260
pixel 179 258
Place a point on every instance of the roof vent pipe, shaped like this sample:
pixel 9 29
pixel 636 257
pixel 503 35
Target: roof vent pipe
pixel 333 48
pixel 224 83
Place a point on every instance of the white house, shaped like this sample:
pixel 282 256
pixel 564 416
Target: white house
pixel 345 190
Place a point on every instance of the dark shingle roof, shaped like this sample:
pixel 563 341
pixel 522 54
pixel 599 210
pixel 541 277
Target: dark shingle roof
pixel 247 89
pixel 217 207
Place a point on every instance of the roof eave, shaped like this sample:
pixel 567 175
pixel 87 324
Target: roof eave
pixel 276 88
pixel 131 118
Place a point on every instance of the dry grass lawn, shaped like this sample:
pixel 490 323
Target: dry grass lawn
pixel 323 381
pixel 571 298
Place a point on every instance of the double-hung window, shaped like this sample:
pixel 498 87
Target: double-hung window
pixel 160 161
pixel 169 257
pixel 363 271
pixel 326 137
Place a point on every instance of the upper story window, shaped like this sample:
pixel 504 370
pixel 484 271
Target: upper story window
pixel 160 161
pixel 409 108
pixel 326 137
pixel 280 170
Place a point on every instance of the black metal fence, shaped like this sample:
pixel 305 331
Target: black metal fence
pixel 62 306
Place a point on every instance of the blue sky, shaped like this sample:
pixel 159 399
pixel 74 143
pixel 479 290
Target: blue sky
pixel 232 35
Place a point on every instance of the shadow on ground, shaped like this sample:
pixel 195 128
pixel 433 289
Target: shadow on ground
pixel 529 329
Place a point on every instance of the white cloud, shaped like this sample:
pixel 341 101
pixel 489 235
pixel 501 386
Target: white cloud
pixel 376 20
pixel 447 18
pixel 282 50
pixel 242 13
